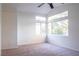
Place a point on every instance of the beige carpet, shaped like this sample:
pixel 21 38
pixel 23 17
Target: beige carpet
pixel 40 50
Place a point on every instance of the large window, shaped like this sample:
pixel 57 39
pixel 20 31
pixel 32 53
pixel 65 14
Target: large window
pixel 58 24
pixel 40 25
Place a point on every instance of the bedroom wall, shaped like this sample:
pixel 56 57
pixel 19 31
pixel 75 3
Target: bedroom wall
pixel 72 41
pixel 26 29
pixel 9 26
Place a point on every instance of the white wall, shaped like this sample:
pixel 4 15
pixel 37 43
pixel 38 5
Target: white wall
pixel 72 41
pixel 26 29
pixel 9 26
pixel 0 29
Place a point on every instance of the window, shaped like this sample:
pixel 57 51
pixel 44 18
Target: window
pixel 40 25
pixel 58 24
pixel 57 16
pixel 40 19
pixel 60 27
pixel 38 28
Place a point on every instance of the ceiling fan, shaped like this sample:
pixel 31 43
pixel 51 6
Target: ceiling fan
pixel 50 4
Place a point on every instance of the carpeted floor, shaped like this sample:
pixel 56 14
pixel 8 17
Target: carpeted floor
pixel 40 50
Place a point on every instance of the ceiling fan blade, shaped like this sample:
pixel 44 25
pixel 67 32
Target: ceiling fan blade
pixel 41 4
pixel 51 5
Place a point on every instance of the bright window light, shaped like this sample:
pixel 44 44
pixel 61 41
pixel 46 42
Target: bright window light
pixel 49 28
pixel 60 15
pixel 40 25
pixel 59 25
pixel 38 31
pixel 39 18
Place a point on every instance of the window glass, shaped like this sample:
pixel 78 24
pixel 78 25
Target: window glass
pixel 40 25
pixel 60 15
pixel 60 25
pixel 39 18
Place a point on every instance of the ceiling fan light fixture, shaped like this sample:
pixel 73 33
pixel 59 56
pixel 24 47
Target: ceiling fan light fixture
pixel 51 5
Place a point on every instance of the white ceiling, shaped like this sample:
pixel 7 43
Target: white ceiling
pixel 32 7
